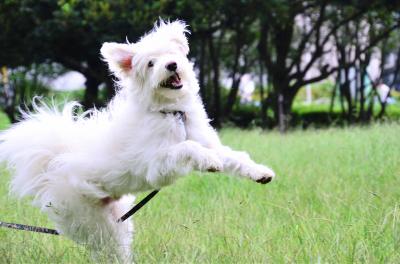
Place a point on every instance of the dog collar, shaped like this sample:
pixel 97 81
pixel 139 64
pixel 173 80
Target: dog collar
pixel 179 114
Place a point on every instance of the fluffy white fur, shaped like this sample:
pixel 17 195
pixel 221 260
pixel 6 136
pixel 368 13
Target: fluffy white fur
pixel 72 163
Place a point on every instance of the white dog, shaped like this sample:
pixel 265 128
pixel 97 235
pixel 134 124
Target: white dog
pixel 80 168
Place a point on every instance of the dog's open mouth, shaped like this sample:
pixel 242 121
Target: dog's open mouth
pixel 173 82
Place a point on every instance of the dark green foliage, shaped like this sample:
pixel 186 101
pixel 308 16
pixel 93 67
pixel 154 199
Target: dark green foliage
pixel 229 38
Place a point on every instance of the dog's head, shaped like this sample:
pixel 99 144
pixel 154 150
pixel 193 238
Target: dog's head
pixel 157 64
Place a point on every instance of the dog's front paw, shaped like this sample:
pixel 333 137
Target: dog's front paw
pixel 202 159
pixel 209 161
pixel 261 174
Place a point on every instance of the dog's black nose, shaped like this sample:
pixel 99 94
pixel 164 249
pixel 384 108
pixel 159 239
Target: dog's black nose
pixel 172 66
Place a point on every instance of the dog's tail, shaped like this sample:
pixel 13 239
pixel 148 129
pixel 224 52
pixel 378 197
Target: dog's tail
pixel 28 146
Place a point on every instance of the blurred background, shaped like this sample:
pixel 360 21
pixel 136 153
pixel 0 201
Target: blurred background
pixel 271 64
pixel 263 65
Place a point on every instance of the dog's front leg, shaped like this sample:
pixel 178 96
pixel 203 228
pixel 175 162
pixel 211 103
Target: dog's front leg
pixel 240 164
pixel 234 162
pixel 180 159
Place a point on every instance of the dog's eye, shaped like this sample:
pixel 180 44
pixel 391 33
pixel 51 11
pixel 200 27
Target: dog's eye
pixel 150 64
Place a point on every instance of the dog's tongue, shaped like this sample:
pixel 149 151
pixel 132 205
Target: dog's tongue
pixel 175 80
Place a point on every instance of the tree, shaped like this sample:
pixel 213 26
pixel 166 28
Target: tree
pixel 71 33
pixel 290 39
pixel 283 45
pixel 355 43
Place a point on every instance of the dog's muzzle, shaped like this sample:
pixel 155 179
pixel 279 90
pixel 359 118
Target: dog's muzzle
pixel 173 82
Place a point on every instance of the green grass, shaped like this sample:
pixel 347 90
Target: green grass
pixel 336 199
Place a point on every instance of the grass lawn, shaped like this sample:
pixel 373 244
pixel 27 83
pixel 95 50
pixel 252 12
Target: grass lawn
pixel 336 200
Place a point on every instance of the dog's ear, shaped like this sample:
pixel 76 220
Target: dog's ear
pixel 118 56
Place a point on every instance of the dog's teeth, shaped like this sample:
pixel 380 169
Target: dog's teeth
pixel 173 82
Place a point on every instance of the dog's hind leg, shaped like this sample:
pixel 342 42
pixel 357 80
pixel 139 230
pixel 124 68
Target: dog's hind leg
pixel 95 226
pixel 123 230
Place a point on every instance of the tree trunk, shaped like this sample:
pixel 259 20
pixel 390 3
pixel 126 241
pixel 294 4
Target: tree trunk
pixel 91 92
pixel 332 103
pixel 382 67
pixel 371 96
pixel 363 63
pixel 202 69
pixel 262 100
pixel 216 113
pixel 110 88
pixel 362 114
pixel 283 100
pixel 383 110
pixel 235 80
pixel 282 118
pixel 231 97
pixel 347 94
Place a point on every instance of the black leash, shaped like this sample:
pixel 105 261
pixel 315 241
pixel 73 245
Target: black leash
pixel 137 206
pixel 55 232
pixel 30 228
